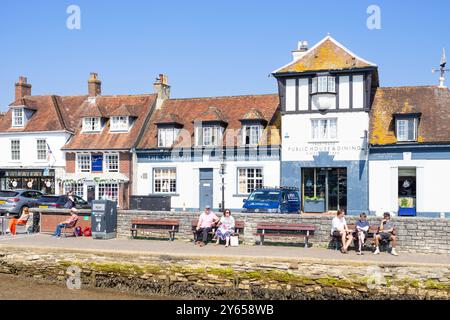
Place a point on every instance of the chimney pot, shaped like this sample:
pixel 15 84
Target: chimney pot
pixel 22 88
pixel 94 85
pixel 162 88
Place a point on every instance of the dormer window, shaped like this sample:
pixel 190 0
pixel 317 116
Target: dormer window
pixel 119 124
pixel 167 136
pixel 406 128
pixel 92 124
pixel 18 117
pixel 252 135
pixel 323 84
pixel 209 136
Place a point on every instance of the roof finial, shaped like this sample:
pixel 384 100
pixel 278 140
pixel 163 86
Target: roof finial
pixel 442 70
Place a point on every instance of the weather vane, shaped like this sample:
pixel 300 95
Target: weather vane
pixel 442 70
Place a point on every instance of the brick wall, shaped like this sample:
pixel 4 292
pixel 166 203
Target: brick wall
pixel 421 235
pixel 70 162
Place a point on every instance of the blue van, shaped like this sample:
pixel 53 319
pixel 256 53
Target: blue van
pixel 273 200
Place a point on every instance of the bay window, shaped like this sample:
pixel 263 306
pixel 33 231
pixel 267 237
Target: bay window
pixel 324 84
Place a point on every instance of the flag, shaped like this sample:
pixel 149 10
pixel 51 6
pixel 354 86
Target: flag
pixel 50 154
pixel 443 59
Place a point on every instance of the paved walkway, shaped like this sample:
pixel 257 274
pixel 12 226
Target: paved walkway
pixel 181 248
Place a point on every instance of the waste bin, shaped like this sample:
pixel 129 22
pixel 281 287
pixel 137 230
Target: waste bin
pixel 104 219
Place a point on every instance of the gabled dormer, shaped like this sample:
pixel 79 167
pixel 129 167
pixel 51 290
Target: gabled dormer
pixel 253 124
pixel 326 78
pixel 122 119
pixel 209 129
pixel 169 126
pixel 20 111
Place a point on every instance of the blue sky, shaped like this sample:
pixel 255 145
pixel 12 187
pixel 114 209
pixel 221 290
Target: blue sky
pixel 207 48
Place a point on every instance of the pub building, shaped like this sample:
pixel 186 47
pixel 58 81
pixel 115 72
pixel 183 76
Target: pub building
pixel 326 94
pixel 32 133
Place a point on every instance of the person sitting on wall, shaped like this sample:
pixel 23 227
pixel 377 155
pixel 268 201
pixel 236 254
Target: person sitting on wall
pixel 386 233
pixel 205 224
pixel 69 223
pixel 362 229
pixel 226 228
pixel 22 221
pixel 340 230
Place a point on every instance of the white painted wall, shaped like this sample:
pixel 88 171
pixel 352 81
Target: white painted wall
pixel 299 146
pixel 28 151
pixel 303 94
pixel 188 183
pixel 431 180
pixel 344 92
pixel 358 92
pixel 290 95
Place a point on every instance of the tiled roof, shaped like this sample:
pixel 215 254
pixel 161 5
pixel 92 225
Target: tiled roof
pixel 433 103
pixel 253 115
pixel 326 55
pixel 168 118
pixel 46 116
pixel 226 109
pixel 138 105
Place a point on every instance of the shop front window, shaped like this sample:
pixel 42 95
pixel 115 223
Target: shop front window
pixel 108 191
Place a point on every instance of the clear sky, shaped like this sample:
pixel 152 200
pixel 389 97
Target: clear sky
pixel 207 47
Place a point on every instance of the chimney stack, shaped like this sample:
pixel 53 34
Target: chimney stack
pixel 23 88
pixel 162 88
pixel 94 85
pixel 302 49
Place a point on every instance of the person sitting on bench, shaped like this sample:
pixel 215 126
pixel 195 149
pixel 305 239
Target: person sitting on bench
pixel 226 228
pixel 362 228
pixel 69 223
pixel 204 226
pixel 386 233
pixel 22 221
pixel 340 230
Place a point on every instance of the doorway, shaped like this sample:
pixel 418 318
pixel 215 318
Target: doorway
pixel 324 189
pixel 206 188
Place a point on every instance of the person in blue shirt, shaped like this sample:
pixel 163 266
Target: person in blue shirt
pixel 362 228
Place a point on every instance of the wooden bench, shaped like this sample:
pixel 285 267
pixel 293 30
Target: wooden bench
pixel 238 228
pixel 158 226
pixel 285 230
pixel 373 230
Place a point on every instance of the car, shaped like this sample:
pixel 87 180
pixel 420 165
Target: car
pixel 12 202
pixel 273 200
pixel 58 201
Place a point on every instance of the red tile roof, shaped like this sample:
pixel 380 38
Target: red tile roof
pixel 230 110
pixel 139 106
pixel 432 102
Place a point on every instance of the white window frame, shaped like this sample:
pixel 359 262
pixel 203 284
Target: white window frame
pixel 120 124
pixel 244 179
pixel 168 181
pixel 108 191
pixel 80 165
pixel 253 129
pixel 15 152
pixel 92 124
pixel 400 133
pixel 216 133
pixel 164 138
pixel 41 153
pixel 321 129
pixel 76 187
pixel 323 84
pixel 107 157
pixel 21 118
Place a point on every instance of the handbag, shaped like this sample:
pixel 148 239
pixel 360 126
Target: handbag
pixel 234 241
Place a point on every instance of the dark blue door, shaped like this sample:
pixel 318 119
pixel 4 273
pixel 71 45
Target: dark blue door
pixel 206 188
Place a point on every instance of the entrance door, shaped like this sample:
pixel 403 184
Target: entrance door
pixel 324 189
pixel 90 193
pixel 206 188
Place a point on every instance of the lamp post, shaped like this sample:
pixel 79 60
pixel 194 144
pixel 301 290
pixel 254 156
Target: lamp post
pixel 223 167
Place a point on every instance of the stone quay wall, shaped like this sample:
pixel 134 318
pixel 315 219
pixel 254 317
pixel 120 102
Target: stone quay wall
pixel 418 235
pixel 227 277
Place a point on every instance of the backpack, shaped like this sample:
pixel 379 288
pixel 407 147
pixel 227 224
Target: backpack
pixel 78 232
pixel 87 232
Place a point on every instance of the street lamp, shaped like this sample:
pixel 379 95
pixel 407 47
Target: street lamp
pixel 222 172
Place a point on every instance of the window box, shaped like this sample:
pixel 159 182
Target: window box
pixel 314 205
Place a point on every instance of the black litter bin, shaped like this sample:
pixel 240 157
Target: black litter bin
pixel 104 219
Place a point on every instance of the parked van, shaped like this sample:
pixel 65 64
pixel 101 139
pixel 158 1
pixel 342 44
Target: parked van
pixel 273 200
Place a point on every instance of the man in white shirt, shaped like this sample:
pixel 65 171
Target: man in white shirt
pixel 340 230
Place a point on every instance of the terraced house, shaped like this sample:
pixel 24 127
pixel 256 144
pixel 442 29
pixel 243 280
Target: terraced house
pixel 99 157
pixel 210 151
pixel 32 134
